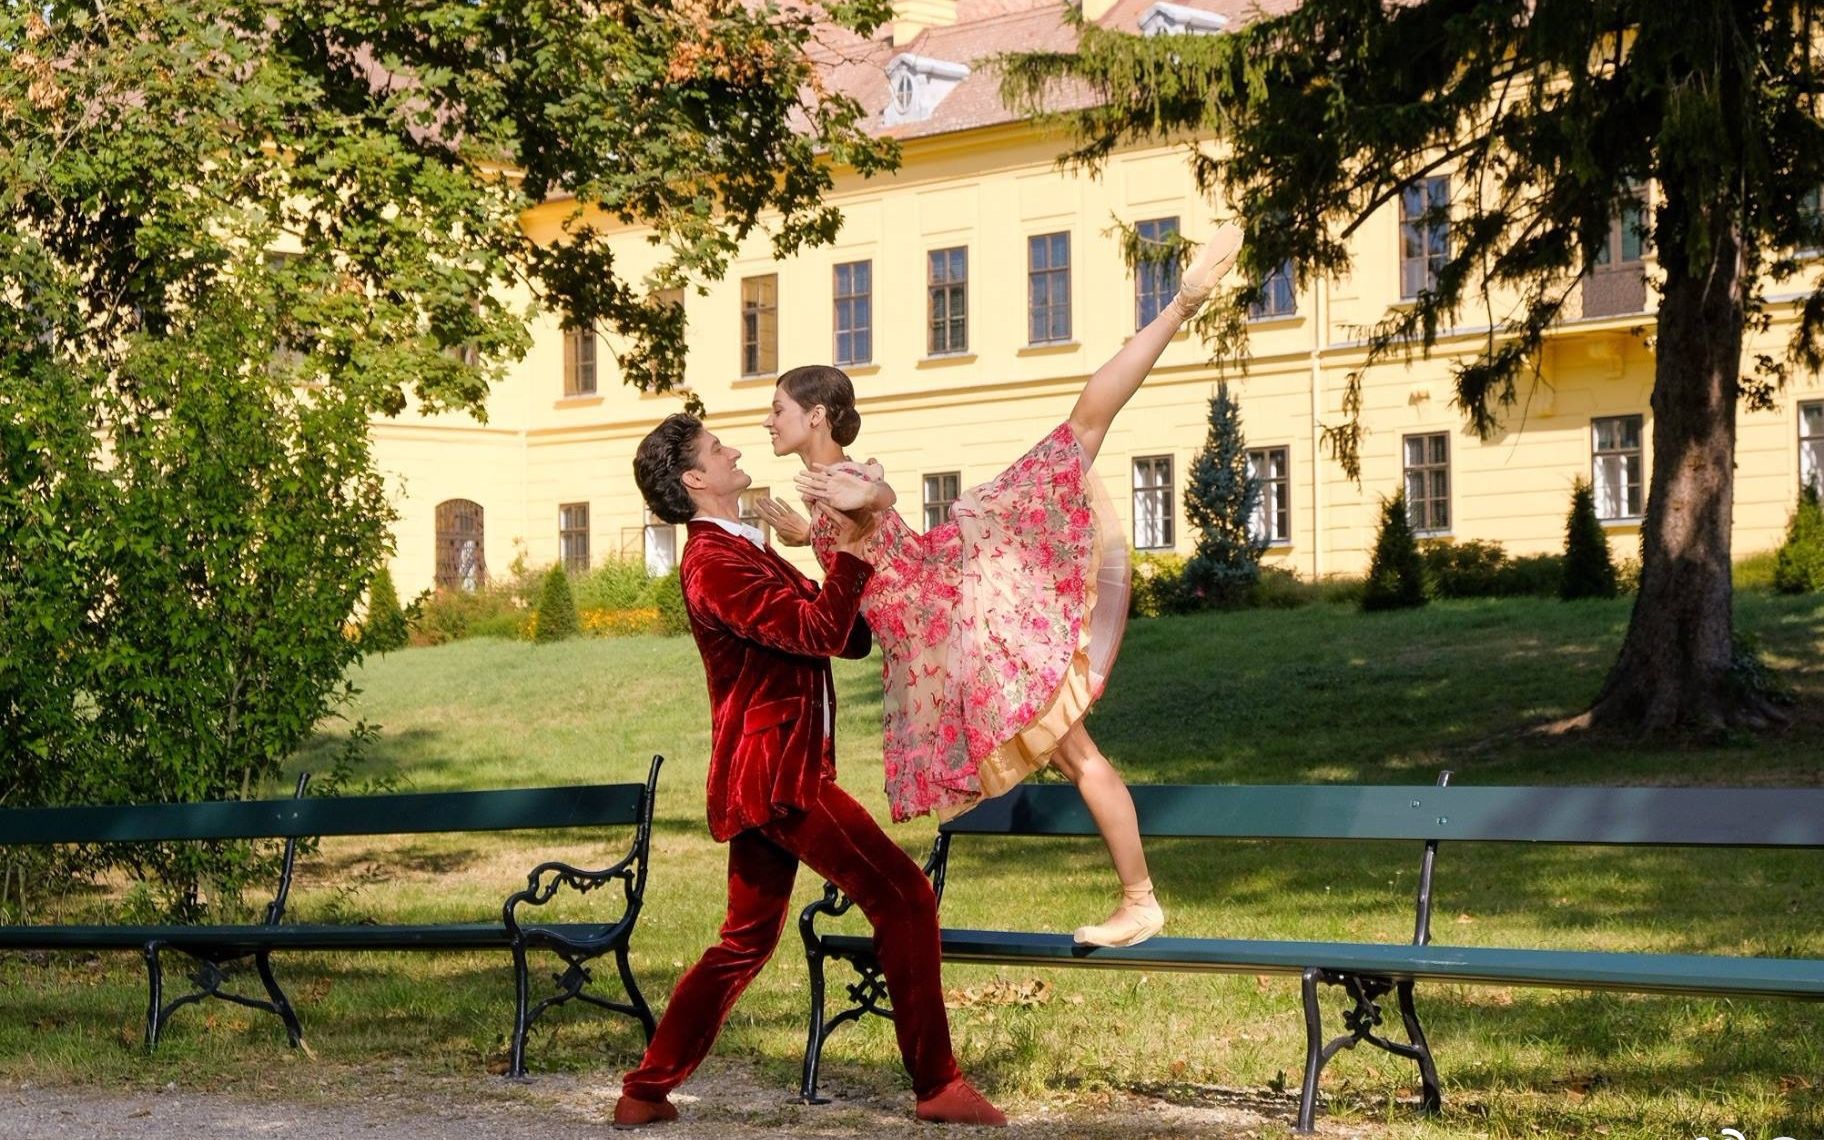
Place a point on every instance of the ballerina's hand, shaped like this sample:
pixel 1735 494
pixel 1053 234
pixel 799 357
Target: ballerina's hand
pixel 1216 258
pixel 839 489
pixel 790 527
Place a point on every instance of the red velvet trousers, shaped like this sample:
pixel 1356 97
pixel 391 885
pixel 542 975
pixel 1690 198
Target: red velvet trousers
pixel 838 839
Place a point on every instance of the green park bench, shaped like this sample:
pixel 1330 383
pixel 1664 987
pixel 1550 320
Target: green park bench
pixel 1366 972
pixel 215 947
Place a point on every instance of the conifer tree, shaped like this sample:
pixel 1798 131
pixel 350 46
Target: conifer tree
pixel 1396 576
pixel 1220 500
pixel 385 629
pixel 557 618
pixel 1589 572
pixel 1799 568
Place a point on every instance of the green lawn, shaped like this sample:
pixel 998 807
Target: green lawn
pixel 1312 695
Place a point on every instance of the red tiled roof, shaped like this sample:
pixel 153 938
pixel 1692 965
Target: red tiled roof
pixel 985 29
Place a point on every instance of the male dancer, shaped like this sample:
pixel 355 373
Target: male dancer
pixel 766 634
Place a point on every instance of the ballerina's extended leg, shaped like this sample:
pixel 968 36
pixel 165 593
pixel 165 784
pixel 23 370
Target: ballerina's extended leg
pixel 1113 384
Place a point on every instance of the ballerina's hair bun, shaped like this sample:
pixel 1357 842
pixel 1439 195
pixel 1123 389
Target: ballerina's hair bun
pixel 812 384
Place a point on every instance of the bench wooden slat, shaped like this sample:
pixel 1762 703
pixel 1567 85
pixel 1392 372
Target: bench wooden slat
pixel 303 936
pixel 582 805
pixel 1699 817
pixel 1579 969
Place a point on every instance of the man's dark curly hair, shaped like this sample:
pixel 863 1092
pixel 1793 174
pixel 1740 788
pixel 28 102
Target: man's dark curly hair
pixel 665 454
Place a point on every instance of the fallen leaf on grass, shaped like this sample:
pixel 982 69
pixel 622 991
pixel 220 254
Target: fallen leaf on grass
pixel 1031 992
pixel 1795 1084
pixel 1465 918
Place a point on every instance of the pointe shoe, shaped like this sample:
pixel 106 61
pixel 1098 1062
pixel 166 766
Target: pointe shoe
pixel 1131 924
pixel 632 1112
pixel 1216 258
pixel 959 1103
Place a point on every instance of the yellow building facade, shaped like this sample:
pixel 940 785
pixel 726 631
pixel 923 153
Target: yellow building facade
pixel 971 294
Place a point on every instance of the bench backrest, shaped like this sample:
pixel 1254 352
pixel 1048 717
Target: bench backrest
pixel 1732 817
pixel 395 814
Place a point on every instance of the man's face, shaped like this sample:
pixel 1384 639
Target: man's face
pixel 718 472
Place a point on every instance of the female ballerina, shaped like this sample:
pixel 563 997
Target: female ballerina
pixel 998 627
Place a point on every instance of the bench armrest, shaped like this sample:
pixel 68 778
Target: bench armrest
pixel 544 880
pixel 835 903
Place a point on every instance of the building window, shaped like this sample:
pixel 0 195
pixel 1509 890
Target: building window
pixel 661 546
pixel 948 287
pixel 940 491
pixel 1627 231
pixel 855 312
pixel 579 362
pixel 1271 468
pixel 1811 445
pixel 1156 268
pixel 1424 234
pixel 1276 296
pixel 460 563
pixel 1153 517
pixel 1615 466
pixel 1428 482
pixel 573 535
pixel 760 325
pixel 1048 288
pixel 750 511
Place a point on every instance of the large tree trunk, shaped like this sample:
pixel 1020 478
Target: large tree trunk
pixel 1674 668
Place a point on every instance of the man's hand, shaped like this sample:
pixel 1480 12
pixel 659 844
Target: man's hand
pixel 789 527
pixel 851 536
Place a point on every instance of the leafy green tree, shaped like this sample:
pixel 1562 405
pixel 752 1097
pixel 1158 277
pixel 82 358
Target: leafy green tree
pixel 1548 116
pixel 1220 500
pixel 1396 573
pixel 232 233
pixel 556 613
pixel 1799 566
pixel 383 628
pixel 1589 571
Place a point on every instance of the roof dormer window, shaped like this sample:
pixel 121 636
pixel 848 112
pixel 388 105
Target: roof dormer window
pixel 919 84
pixel 1164 19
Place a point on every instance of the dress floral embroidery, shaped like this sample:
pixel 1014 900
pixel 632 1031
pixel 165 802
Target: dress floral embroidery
pixel 997 628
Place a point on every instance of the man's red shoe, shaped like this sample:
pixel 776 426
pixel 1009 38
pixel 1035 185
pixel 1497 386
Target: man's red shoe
pixel 631 1112
pixel 959 1103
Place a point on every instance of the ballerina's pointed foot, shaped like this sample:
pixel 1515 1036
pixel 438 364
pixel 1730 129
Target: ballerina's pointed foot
pixel 1214 260
pixel 1131 924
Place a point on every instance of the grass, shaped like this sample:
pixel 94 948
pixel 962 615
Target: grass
pixel 1313 695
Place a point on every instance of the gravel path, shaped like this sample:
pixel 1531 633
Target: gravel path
pixel 722 1101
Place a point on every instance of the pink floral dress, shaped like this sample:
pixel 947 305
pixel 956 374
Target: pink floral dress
pixel 997 628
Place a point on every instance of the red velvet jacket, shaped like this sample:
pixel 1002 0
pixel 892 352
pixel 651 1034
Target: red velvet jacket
pixel 767 634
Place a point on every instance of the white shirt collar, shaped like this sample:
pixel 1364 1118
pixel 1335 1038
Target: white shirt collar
pixel 751 533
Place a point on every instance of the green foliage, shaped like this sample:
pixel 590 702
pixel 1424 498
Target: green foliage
pixel 1589 571
pixel 451 615
pixel 385 628
pixel 232 234
pixel 1799 566
pixel 1396 574
pixel 556 608
pixel 1220 500
pixel 668 597
pixel 1478 569
pixel 1463 569
pixel 1157 586
pixel 1279 588
pixel 614 584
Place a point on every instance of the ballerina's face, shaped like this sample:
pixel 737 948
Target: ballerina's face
pixel 791 425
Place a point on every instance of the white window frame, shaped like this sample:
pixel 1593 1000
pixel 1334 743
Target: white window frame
pixel 1155 514
pixel 1271 521
pixel 1421 510
pixel 1612 476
